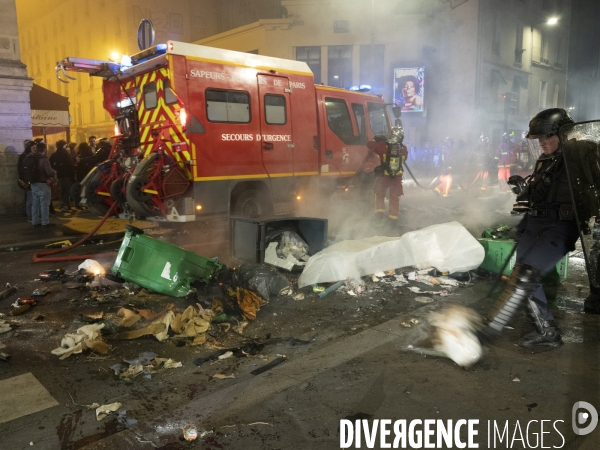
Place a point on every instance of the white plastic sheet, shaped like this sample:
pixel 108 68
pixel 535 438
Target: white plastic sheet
pixel 448 247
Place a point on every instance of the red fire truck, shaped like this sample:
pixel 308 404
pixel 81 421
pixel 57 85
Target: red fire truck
pixel 201 132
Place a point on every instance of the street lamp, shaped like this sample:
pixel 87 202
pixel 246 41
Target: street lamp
pixel 549 21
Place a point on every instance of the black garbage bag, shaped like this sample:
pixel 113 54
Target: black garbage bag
pixel 263 279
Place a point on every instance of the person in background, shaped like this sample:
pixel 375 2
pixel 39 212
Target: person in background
pixel 28 146
pixel 506 160
pixel 92 143
pixel 72 150
pixel 40 187
pixel 63 164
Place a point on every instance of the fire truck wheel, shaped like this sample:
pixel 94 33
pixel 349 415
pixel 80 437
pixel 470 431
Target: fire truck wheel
pixel 252 203
pixel 140 201
pixel 116 190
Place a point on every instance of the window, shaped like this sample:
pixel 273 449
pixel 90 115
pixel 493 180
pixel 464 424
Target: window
pixel 340 65
pixel 312 57
pixel 339 121
pixel 519 48
pixel 555 96
pixel 227 106
pixel 92 111
pixel 150 96
pixel 371 65
pixel 79 115
pixel 361 123
pixel 378 118
pixel 170 97
pixel 275 109
pixel 543 93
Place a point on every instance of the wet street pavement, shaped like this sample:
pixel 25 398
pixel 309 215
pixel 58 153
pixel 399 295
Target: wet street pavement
pixel 347 358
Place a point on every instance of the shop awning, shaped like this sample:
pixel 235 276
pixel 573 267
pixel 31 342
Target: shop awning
pixel 48 109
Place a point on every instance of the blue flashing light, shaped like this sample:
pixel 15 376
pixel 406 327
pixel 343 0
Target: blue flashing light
pixel 361 88
pixel 162 48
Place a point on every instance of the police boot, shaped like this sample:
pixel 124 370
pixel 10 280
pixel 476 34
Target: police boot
pixel 592 302
pixel 518 289
pixel 546 334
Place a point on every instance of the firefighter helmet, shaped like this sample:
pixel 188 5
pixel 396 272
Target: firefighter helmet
pixel 548 122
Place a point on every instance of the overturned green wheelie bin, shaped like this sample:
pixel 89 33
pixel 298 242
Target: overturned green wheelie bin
pixel 159 266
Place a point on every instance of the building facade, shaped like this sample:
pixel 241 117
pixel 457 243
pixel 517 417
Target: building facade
pixel 100 29
pixel 15 118
pixel 489 66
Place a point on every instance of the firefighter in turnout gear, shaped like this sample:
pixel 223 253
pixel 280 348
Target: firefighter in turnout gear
pixel 392 154
pixel 549 231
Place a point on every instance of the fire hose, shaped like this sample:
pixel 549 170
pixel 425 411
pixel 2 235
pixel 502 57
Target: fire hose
pixel 40 256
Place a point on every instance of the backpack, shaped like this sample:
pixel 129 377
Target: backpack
pixel 31 169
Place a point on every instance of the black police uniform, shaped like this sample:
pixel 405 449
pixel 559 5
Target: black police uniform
pixel 548 232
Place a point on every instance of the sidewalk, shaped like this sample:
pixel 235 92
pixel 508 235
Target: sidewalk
pixel 18 234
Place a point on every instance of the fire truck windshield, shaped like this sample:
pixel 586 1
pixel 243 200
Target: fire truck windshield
pixel 378 118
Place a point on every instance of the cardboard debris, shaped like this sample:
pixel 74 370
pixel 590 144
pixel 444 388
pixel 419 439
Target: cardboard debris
pixel 153 328
pixel 104 410
pixel 129 318
pixel 248 301
pixel 424 299
pixel 220 376
pixel 86 337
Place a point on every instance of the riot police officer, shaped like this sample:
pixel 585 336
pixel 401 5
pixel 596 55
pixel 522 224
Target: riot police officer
pixel 548 232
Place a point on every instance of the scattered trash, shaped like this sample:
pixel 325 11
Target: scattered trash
pixel 225 355
pixel 424 299
pixel 448 247
pixel 60 244
pixel 374 278
pixel 146 363
pixel 129 318
pixel 220 376
pixel 19 310
pixel 240 327
pixel 8 291
pixel 153 328
pixel 248 301
pixel 52 274
pixel 4 326
pixel 405 325
pixel 318 289
pixel 25 301
pixel 289 262
pixel 4 356
pixel 516 380
pixel 263 279
pixel 333 287
pixel 38 316
pixel 92 267
pixel 190 432
pixel 299 297
pixel 86 337
pixel 41 292
pixel 414 321
pixel 95 316
pixel 269 366
pixel 454 334
pixel 104 410
pixel 417 290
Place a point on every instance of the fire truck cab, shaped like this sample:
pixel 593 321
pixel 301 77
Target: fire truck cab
pixel 202 132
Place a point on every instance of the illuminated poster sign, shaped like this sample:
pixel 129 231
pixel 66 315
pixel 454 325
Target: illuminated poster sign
pixel 409 88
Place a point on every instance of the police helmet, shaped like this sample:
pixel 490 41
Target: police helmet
pixel 548 122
